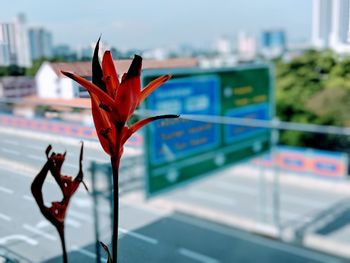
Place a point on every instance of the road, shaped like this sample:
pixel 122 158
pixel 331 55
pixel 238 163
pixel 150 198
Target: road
pixel 146 232
pixel 232 192
pixel 179 238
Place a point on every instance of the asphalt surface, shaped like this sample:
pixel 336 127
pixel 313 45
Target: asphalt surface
pixel 148 234
pixel 179 238
pixel 232 192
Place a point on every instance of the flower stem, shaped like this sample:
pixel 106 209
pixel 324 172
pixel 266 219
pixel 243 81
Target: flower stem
pixel 115 161
pixel 63 243
pixel 115 169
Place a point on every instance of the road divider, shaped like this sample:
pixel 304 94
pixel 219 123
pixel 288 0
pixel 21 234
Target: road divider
pixel 86 252
pixel 138 236
pixel 5 217
pixel 211 197
pixel 6 190
pixel 197 256
pixel 39 232
pixel 28 240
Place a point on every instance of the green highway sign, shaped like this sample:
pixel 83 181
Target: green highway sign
pixel 180 150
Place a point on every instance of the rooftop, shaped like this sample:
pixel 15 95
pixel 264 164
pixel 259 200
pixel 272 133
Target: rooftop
pixel 84 68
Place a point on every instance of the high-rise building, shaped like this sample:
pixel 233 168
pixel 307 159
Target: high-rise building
pixel 14 44
pixel 223 46
pixel 64 52
pixel 340 22
pixel 7 42
pixel 330 24
pixel 273 43
pixel 246 45
pixel 4 53
pixel 40 43
pixel 321 22
pixel 22 42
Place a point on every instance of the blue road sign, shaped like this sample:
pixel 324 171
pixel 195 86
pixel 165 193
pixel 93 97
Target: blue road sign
pixel 173 139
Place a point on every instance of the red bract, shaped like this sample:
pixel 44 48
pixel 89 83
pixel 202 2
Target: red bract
pixel 57 212
pixel 114 102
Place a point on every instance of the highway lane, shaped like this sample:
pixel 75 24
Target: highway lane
pixel 24 231
pixel 145 233
pixel 233 193
pixel 179 238
pixel 34 233
pixel 31 152
pixel 221 194
pixel 229 191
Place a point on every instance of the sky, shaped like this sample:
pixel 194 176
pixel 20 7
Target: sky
pixel 145 24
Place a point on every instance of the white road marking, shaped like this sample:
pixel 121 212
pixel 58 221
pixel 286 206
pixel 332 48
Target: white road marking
pixel 5 217
pixel 79 215
pixel 253 191
pixel 87 253
pixel 6 150
pixel 31 175
pixel 10 142
pixel 42 224
pixel 39 232
pixel 96 159
pixel 287 215
pixel 302 201
pixel 35 157
pixel 24 238
pixel 261 241
pixel 210 197
pixel 71 165
pixel 139 236
pixel 28 198
pixel 235 188
pixel 83 202
pixel 149 209
pixel 73 223
pixel 197 256
pixel 36 147
pixel 6 190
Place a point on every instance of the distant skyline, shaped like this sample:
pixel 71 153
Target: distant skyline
pixel 158 23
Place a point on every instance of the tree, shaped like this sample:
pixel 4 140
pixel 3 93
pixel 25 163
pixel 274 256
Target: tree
pixel 314 88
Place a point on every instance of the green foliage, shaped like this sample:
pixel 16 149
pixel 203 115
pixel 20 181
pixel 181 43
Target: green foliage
pixel 37 63
pixel 4 71
pixel 12 70
pixel 314 88
pixel 35 66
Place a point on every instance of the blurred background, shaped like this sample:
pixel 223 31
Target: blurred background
pixel 256 169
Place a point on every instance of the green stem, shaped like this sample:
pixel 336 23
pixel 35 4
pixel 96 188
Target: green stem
pixel 115 169
pixel 115 161
pixel 63 243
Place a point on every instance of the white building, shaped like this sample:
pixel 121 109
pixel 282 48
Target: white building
pixel 321 23
pixel 51 83
pixel 22 42
pixel 330 25
pixel 339 36
pixel 246 46
pixel 8 43
pixel 223 46
pixel 14 44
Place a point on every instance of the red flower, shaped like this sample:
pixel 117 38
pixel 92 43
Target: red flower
pixel 57 212
pixel 114 102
